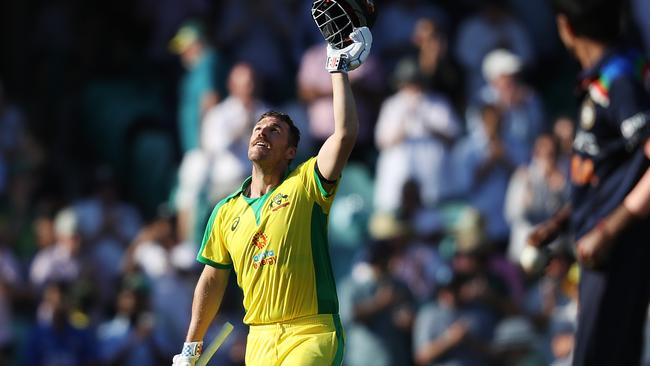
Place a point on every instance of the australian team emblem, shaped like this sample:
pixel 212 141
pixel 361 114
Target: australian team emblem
pixel 279 201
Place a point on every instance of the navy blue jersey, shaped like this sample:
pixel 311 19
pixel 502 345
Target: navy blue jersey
pixel 608 157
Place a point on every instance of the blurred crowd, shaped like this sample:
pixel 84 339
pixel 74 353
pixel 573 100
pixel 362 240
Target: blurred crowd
pixel 122 123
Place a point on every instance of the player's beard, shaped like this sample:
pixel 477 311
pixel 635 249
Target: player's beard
pixel 258 153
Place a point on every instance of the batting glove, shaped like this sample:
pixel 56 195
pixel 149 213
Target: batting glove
pixel 189 355
pixel 352 56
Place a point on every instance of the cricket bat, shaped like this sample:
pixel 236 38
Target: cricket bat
pixel 214 346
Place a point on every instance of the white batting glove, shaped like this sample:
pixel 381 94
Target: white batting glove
pixel 352 56
pixel 189 355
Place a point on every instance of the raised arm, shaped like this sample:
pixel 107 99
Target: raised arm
pixel 336 150
pixel 205 304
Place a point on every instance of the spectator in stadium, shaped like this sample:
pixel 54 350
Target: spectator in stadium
pixel 413 135
pixel 149 251
pixel 515 343
pixel 61 262
pixel 562 343
pixel 418 263
pixel 440 72
pixel 564 132
pixel 197 90
pixel 491 28
pixel 551 299
pixel 484 289
pixel 449 331
pixel 127 339
pixel 483 168
pixel 380 312
pixel 535 193
pixel 106 223
pixel 43 226
pixel 521 108
pixel 105 215
pixel 55 339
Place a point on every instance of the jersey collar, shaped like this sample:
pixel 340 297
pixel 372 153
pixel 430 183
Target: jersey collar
pixel 248 181
pixel 588 75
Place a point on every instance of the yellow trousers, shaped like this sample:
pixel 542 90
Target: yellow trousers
pixel 310 341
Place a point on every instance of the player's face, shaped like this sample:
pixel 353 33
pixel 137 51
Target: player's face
pixel 270 141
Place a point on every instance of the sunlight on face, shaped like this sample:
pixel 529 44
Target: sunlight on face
pixel 269 140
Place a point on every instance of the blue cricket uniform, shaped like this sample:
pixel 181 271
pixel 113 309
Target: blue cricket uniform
pixel 608 162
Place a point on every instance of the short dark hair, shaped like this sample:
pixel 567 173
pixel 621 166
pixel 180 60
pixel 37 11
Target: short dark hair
pixel 294 132
pixel 599 20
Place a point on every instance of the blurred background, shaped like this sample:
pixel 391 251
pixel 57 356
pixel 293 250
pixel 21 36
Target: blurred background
pixel 122 123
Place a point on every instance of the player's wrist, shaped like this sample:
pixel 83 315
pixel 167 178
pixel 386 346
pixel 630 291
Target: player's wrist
pixel 337 63
pixel 192 349
pixel 604 230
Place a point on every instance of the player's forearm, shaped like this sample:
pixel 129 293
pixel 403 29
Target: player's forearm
pixel 634 207
pixel 346 122
pixel 207 299
pixel 337 148
pixel 638 200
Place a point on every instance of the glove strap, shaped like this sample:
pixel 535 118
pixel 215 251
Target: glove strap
pixel 338 63
pixel 192 349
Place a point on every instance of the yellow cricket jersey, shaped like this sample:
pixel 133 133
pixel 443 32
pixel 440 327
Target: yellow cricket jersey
pixel 277 245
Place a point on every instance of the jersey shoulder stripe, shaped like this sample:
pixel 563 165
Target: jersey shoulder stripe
pixel 208 232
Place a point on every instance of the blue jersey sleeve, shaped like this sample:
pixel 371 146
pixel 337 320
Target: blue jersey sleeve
pixel 630 108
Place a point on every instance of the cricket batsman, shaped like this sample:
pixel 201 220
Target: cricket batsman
pixel 272 232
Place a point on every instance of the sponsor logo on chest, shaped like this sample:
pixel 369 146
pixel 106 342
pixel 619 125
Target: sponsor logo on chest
pixel 264 258
pixel 267 257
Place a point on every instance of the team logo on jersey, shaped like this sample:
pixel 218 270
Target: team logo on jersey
pixel 586 142
pixel 632 127
pixel 587 115
pixel 235 223
pixel 279 201
pixel 260 240
pixel 265 258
